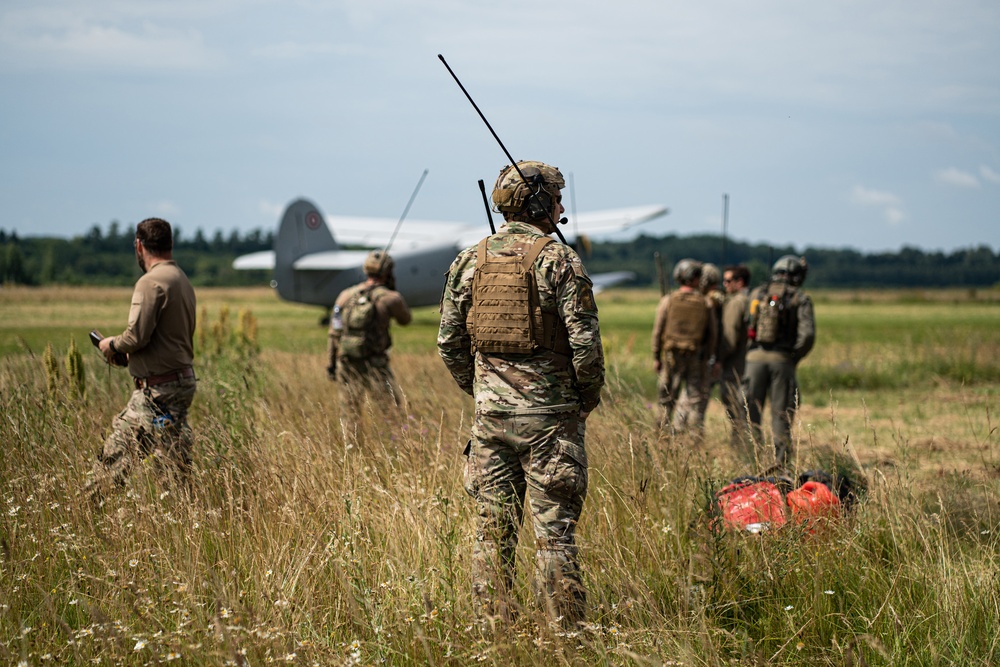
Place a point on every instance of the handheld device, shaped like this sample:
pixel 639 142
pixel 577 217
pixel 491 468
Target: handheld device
pixel 118 359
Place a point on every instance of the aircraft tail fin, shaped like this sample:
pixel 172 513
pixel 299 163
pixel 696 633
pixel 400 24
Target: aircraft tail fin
pixel 303 231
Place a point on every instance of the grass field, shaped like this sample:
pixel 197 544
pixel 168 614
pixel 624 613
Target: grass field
pixel 307 544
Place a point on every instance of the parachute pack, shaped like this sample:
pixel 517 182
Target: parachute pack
pixel 755 504
pixel 358 339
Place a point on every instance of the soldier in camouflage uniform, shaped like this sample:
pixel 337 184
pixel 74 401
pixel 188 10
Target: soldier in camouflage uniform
pixel 684 336
pixel 519 332
pixel 359 337
pixel 691 414
pixel 159 344
pixel 733 347
pixel 781 332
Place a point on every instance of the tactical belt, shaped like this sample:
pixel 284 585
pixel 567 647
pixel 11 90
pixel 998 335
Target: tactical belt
pixel 153 380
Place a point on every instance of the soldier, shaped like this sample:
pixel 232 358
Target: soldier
pixel 781 331
pixel 685 331
pixel 733 347
pixel 359 335
pixel 159 344
pixel 689 412
pixel 519 332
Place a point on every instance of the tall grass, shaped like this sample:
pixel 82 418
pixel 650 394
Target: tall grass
pixel 314 537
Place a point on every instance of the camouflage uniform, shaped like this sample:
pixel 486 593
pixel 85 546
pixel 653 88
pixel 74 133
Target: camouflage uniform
pixel 770 367
pixel 689 413
pixel 528 435
pixel 732 356
pixel 682 364
pixel 159 342
pixel 369 375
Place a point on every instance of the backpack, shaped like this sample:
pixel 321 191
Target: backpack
pixel 506 316
pixel 771 313
pixel 359 337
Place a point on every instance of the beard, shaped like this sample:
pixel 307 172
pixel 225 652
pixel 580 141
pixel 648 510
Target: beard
pixel 140 261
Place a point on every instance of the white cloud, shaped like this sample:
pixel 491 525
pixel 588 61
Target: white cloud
pixel 61 37
pixel 988 174
pixel 165 208
pixel 891 205
pixel 868 197
pixel 270 209
pixel 957 177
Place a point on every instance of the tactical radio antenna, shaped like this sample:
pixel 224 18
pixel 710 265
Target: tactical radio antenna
pixel 405 211
pixel 486 203
pixel 532 194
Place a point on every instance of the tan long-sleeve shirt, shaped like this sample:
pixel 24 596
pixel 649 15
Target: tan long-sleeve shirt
pixel 159 338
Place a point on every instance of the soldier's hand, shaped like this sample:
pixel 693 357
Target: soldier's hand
pixel 584 414
pixel 331 373
pixel 657 365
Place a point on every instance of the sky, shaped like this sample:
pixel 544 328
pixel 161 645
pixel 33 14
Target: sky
pixel 868 125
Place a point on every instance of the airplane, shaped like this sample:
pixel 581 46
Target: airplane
pixel 312 267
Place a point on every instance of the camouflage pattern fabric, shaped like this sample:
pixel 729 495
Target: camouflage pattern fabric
pixel 732 354
pixel 770 373
pixel 544 380
pixel 528 437
pixel 687 368
pixel 544 456
pixel 153 424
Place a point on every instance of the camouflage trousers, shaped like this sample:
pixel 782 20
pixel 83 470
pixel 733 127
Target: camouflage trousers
pixel 542 455
pixel 688 369
pixel 731 394
pixel 772 375
pixel 362 380
pixel 153 424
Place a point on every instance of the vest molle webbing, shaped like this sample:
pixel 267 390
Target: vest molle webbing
pixel 687 317
pixel 506 316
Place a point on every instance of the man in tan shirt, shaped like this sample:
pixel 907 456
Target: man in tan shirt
pixel 359 338
pixel 159 344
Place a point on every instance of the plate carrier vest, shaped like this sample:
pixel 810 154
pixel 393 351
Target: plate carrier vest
pixel 506 316
pixel 687 317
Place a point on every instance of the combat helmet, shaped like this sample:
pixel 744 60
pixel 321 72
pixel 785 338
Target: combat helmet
pixel 687 272
pixel 378 264
pixel 710 275
pixel 791 269
pixel 533 200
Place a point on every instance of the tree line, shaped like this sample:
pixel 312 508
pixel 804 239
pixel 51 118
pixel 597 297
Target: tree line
pixel 105 257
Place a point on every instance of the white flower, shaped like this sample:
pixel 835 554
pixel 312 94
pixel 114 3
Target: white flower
pixel 139 645
pixel 133 562
pixel 829 593
pixel 290 657
pixel 789 608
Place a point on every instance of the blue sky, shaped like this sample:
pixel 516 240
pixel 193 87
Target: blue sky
pixel 870 125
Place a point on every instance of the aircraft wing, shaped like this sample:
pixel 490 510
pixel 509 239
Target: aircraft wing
pixel 602 281
pixel 615 219
pixel 255 260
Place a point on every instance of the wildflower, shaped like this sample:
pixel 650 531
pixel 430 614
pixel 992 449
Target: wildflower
pixel 13 510
pixel 829 593
pixel 22 663
pixel 225 613
pixel 133 562
pixel 290 657
pixel 800 646
pixel 164 495
pixel 139 645
pixel 789 608
pixel 173 655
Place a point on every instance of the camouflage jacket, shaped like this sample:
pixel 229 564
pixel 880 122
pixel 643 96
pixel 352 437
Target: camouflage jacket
pixel 543 381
